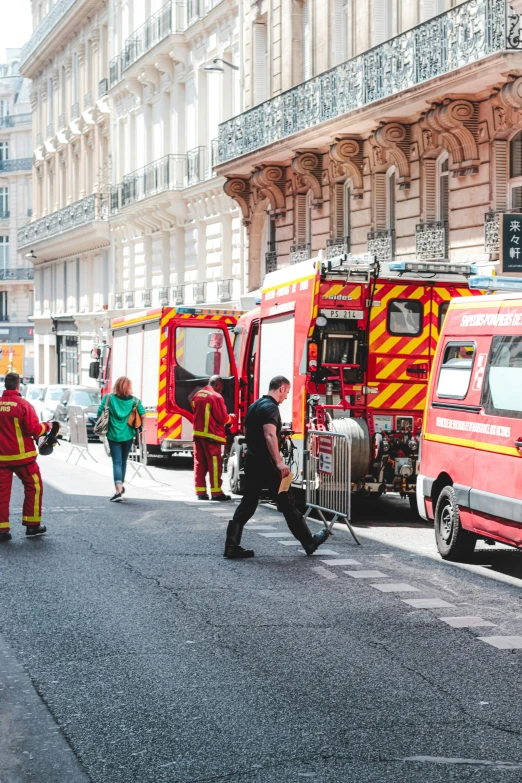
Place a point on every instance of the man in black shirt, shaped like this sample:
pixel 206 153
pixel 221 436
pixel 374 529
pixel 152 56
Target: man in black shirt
pixel 264 469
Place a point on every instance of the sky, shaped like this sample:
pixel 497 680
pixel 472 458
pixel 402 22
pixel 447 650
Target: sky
pixel 16 26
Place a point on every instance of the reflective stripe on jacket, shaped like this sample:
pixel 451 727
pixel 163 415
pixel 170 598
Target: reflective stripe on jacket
pixel 19 427
pixel 210 415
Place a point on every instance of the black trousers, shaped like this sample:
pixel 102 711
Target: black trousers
pixel 259 478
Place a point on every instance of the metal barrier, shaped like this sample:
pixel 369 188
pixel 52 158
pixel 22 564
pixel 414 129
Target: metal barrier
pixel 138 458
pixel 78 433
pixel 327 473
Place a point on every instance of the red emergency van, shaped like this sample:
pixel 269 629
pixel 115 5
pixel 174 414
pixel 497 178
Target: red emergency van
pixel 470 473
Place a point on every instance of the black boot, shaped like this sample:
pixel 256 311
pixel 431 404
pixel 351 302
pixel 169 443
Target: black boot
pixel 5 536
pixel 317 540
pixel 35 530
pixel 233 548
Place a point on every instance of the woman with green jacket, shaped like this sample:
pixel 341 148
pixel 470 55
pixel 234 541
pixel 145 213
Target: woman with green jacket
pixel 120 434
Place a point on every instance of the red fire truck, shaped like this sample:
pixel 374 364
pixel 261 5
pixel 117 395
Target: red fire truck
pixel 168 353
pixel 357 341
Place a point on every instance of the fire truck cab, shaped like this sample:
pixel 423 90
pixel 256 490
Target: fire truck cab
pixel 357 340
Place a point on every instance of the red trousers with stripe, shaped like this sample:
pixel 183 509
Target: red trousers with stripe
pixel 207 459
pixel 30 477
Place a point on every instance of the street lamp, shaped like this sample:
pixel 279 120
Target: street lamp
pixel 30 254
pixel 214 68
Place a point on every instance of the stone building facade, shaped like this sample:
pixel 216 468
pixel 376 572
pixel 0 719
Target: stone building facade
pixel 176 237
pixel 16 271
pixel 67 60
pixel 408 150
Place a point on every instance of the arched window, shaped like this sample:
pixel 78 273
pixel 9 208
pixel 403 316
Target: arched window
pixel 515 172
pixel 390 198
pixel 443 187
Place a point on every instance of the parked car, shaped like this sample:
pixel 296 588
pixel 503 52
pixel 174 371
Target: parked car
pixel 470 473
pixel 80 397
pixel 32 391
pixel 49 398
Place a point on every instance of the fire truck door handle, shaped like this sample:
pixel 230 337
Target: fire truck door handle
pixel 416 370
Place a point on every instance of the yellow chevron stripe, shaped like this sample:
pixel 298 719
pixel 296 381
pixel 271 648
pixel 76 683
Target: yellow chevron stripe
pixel 389 368
pixel 381 398
pixel 408 395
pixel 162 399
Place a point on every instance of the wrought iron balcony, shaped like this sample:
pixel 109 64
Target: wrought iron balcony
pixel 337 246
pixel 103 87
pixel 195 165
pixel 200 292
pixel 4 214
pixel 61 122
pixel 45 27
pixel 171 18
pixel 87 210
pixel 224 290
pixel 167 173
pixel 300 253
pixel 381 244
pixel 15 120
pixel 16 164
pixel 492 230
pixel 118 301
pixel 75 111
pixel 49 131
pixel 270 261
pixel 128 298
pixel 87 100
pixel 463 35
pixel 19 273
pixel 214 156
pixel 178 294
pixel 431 240
pixel 146 297
pixel 163 295
pixel 115 70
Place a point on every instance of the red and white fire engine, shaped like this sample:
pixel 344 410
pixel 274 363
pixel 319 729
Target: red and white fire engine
pixel 357 340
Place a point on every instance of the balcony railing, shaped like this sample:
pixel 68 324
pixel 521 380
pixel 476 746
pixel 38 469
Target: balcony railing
pixel 16 164
pixel 118 301
pixel 19 273
pixel 171 18
pixel 49 131
pixel 128 298
pixel 115 70
pixel 45 27
pixel 492 230
pixel 14 120
pixel 103 87
pixel 461 36
pixel 87 210
pixel 87 100
pixel 200 292
pixel 214 156
pixel 337 246
pixel 164 295
pixel 61 121
pixel 431 240
pixel 75 111
pixel 300 253
pixel 196 165
pixel 270 261
pixel 167 173
pixel 381 244
pixel 224 290
pixel 178 294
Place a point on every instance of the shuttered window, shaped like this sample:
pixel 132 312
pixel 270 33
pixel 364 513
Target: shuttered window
pixel 430 190
pixel 500 174
pixel 307 41
pixel 346 210
pixel 430 8
pixel 381 21
pixel 390 199
pixel 340 31
pixel 260 63
pixel 380 201
pixel 515 172
pixel 303 219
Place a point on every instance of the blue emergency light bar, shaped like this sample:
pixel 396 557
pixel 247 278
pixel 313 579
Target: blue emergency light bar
pixel 433 267
pixel 493 283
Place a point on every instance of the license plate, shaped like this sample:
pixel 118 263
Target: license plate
pixel 344 314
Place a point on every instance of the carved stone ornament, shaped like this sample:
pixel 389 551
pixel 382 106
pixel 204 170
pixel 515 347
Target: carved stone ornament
pixel 391 143
pixel 346 155
pixel 238 188
pixel 270 182
pixel 449 123
pixel 307 167
pixel 506 106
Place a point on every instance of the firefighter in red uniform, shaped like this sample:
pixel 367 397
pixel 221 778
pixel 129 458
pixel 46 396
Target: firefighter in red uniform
pixel 19 427
pixel 210 418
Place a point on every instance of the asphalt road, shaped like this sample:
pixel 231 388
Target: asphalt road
pixel 130 650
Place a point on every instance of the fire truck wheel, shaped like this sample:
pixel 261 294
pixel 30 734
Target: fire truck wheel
pixel 453 542
pixel 235 479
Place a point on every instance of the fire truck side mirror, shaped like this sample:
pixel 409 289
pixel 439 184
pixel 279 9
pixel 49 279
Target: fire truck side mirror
pixel 94 370
pixel 215 340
